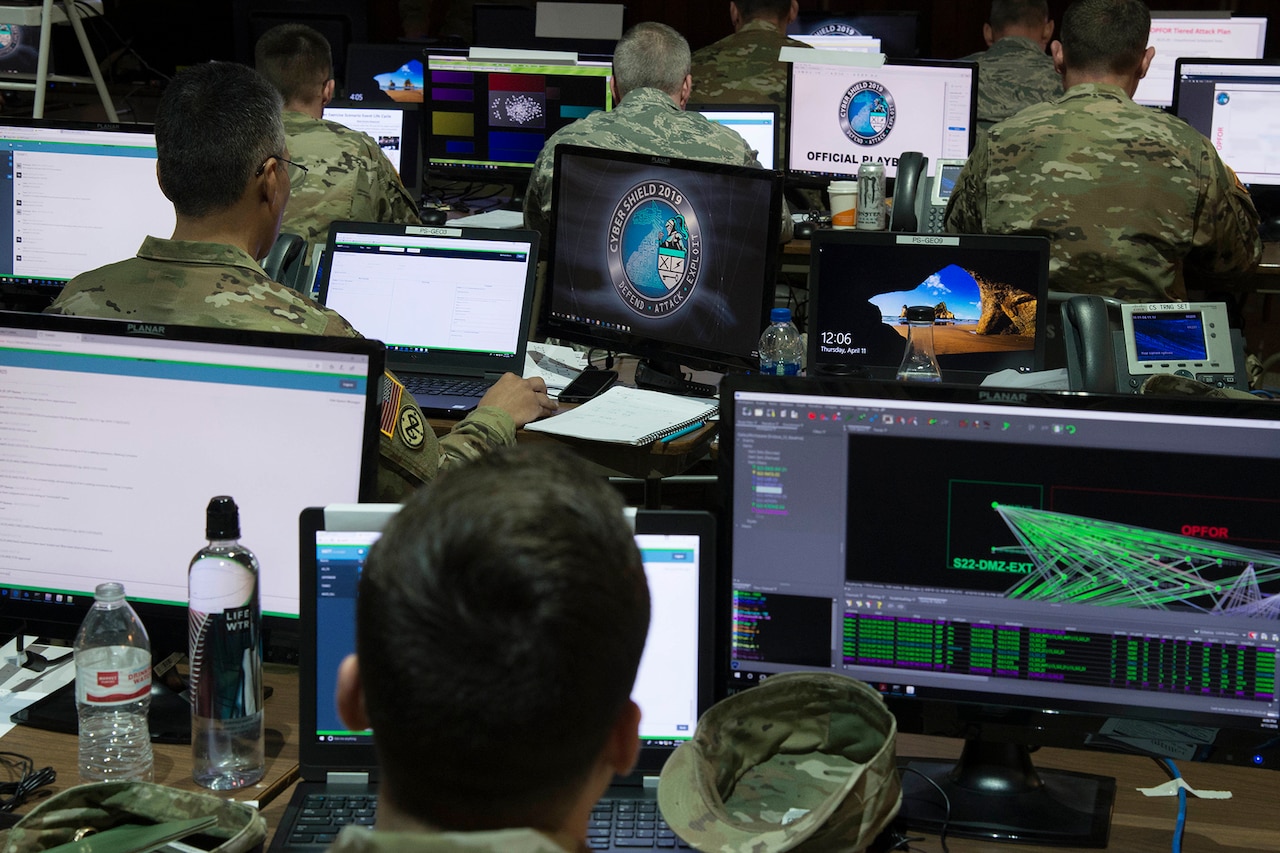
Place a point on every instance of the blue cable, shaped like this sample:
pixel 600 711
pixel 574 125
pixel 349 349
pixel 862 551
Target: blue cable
pixel 1182 807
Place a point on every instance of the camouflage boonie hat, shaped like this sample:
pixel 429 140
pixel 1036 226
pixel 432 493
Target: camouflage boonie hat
pixel 803 761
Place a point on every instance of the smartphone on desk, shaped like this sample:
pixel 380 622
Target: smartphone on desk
pixel 588 384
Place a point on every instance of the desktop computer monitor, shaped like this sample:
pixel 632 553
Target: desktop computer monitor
pixel 669 260
pixel 842 116
pixel 76 196
pixel 114 436
pixel 989 294
pixel 756 123
pixel 1191 35
pixel 384 73
pixel 489 119
pixel 1014 568
pixel 899 31
pixel 1235 103
pixel 396 127
pixel 853 44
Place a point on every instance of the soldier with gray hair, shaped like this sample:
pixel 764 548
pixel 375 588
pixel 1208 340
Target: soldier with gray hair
pixel 1136 203
pixel 651 85
pixel 350 179
pixel 1014 71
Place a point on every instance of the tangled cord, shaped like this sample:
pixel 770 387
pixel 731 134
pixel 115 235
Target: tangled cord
pixel 30 780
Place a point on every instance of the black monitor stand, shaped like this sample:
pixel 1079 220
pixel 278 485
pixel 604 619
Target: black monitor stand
pixel 995 792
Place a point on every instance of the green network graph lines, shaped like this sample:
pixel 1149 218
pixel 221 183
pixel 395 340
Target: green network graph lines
pixel 1090 561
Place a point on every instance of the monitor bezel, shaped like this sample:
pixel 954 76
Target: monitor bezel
pixel 688 354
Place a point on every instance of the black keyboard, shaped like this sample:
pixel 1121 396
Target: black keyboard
pixel 323 815
pixel 446 385
pixel 630 823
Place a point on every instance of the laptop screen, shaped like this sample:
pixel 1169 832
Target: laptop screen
pixel 76 196
pixel 756 123
pixel 989 295
pixel 673 684
pixel 433 294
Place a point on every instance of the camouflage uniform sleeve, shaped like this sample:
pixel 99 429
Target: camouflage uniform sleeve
pixel 1226 243
pixel 408 451
pixel 481 431
pixel 964 208
pixel 537 195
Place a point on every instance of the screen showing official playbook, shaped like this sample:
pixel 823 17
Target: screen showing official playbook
pixel 843 116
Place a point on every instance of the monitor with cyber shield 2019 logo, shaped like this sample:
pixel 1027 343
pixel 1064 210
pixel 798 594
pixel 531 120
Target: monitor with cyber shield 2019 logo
pixel 662 258
pixel 842 116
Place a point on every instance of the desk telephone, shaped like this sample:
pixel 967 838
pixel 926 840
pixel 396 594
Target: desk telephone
pixel 1190 339
pixel 920 201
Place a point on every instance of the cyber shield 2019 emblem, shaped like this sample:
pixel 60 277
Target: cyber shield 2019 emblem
pixel 655 249
pixel 867 112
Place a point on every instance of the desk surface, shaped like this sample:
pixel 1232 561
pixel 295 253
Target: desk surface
pixel 1249 820
pixel 173 761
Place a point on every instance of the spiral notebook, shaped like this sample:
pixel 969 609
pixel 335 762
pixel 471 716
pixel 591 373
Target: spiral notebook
pixel 625 415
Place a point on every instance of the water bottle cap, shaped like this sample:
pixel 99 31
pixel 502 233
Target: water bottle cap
pixel 110 591
pixel 222 519
pixel 780 315
pixel 920 314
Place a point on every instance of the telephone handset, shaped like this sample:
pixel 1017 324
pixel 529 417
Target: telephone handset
pixel 920 201
pixel 912 168
pixel 1086 331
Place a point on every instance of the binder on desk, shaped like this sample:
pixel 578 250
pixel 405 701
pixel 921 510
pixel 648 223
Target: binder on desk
pixel 624 415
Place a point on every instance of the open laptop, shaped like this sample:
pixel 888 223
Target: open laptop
pixel 673 686
pixel 756 123
pixel 989 294
pixel 452 305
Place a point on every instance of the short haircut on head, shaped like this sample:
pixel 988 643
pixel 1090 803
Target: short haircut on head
pixel 1017 13
pixel 1105 36
pixel 769 9
pixel 500 623
pixel 651 55
pixel 296 59
pixel 216 124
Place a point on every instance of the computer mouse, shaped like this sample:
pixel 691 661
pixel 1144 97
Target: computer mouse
pixel 804 230
pixel 434 216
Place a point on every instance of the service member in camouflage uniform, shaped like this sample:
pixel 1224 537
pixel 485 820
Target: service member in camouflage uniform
pixel 743 68
pixel 499 626
pixel 224 165
pixel 1136 204
pixel 651 85
pixel 348 177
pixel 1014 71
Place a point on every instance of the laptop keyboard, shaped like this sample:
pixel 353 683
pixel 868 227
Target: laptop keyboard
pixel 446 385
pixel 323 815
pixel 615 823
pixel 629 823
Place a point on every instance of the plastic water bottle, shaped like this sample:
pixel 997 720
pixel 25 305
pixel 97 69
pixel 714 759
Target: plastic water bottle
pixel 781 349
pixel 113 690
pixel 226 655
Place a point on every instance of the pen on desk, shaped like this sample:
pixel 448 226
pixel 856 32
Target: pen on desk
pixel 690 428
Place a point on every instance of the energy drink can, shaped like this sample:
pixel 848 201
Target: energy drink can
pixel 871 208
